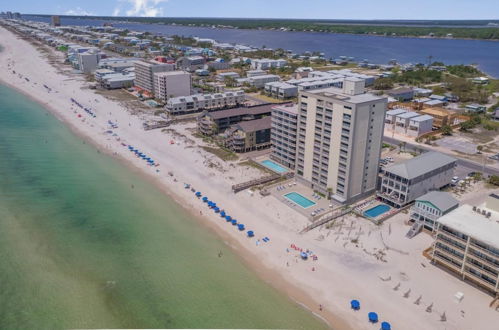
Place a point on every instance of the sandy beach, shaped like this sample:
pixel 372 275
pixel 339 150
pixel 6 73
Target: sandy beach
pixel 376 265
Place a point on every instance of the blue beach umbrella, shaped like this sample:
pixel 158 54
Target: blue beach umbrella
pixel 385 326
pixel 355 304
pixel 228 218
pixel 240 226
pixel 234 222
pixel 250 233
pixel 222 214
pixel 205 199
pixel 216 209
pixel 373 317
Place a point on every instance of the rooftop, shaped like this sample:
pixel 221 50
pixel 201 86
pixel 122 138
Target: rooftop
pixel 471 223
pixel 241 111
pixel 289 107
pixel 337 93
pixel 255 125
pixel 395 112
pixel 420 165
pixel 422 118
pixel 407 115
pixel 441 199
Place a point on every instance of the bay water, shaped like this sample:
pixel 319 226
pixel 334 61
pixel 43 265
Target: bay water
pixel 81 248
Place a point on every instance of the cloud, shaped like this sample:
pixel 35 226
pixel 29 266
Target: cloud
pixel 78 11
pixel 143 8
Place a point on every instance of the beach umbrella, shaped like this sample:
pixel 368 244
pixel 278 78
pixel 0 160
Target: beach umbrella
pixel 303 255
pixel 355 304
pixel 251 233
pixel 222 214
pixel 373 317
pixel 205 199
pixel 216 209
pixel 228 218
pixel 198 194
pixel 234 222
pixel 385 326
pixel 240 226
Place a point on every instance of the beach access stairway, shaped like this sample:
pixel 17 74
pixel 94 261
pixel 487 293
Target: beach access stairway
pixel 416 228
pixel 326 219
pixel 248 184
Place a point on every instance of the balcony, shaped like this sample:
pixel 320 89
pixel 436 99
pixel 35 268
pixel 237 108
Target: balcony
pixel 451 235
pixel 478 268
pixel 473 253
pixel 481 249
pixel 479 280
pixel 446 262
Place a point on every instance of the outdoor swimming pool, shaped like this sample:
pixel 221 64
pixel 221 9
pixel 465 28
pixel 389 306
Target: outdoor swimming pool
pixel 300 200
pixel 377 211
pixel 273 166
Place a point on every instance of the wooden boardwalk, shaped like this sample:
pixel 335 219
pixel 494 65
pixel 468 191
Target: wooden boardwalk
pixel 325 220
pixel 248 184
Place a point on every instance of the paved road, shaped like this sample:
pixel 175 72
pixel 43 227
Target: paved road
pixel 471 165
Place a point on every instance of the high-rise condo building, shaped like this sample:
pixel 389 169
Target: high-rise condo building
pixel 340 133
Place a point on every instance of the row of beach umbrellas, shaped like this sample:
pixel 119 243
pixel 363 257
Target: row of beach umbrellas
pixel 372 316
pixel 217 209
pixel 139 154
pixel 87 110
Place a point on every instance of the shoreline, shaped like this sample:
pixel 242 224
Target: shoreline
pixel 249 260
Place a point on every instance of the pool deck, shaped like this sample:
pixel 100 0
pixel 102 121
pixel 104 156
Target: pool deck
pixel 293 186
pixel 370 203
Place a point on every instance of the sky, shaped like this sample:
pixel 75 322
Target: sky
pixel 324 9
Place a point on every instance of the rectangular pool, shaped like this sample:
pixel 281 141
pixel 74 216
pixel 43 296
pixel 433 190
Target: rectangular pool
pixel 377 211
pixel 300 200
pixel 273 166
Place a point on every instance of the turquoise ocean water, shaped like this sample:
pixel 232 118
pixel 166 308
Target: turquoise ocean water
pixel 79 248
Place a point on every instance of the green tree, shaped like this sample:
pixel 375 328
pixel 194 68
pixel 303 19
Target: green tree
pixel 446 130
pixel 383 84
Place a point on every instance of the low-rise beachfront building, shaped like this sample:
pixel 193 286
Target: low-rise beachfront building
pixel 258 81
pixel 172 84
pixel 117 64
pixel 227 75
pixel 211 123
pixel 390 118
pixel 402 121
pixel 420 125
pixel 441 116
pixel 283 134
pixel 118 80
pixel 402 183
pixel 254 73
pixel 211 102
pixel 466 243
pixel 475 108
pixel 265 64
pixel 191 63
pixel 402 94
pixel 281 90
pixel 431 206
pixel 248 135
pixel 144 73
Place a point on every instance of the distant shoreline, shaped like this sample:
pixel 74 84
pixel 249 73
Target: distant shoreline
pixel 383 28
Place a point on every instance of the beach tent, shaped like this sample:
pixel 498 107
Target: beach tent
pixel 355 304
pixel 373 317
pixel 385 326
pixel 251 233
